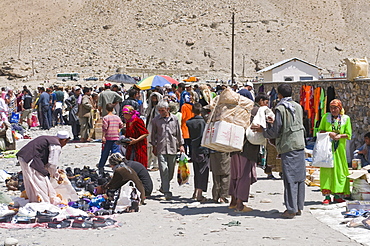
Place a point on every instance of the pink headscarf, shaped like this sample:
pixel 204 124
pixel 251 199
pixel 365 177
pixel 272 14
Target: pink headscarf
pixel 128 109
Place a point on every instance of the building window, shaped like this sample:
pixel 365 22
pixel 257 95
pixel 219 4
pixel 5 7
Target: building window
pixel 302 78
pixel 288 78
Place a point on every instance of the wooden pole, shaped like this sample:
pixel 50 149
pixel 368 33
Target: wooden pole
pixel 33 69
pixel 232 49
pixel 317 56
pixel 243 71
pixel 19 47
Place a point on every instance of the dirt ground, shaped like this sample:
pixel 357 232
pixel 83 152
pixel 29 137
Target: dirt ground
pixel 183 221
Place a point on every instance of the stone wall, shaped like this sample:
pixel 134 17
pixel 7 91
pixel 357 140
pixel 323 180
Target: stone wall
pixel 355 97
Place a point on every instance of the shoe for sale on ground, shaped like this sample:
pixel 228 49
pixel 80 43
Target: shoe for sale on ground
pixel 339 200
pixel 60 224
pixel 326 201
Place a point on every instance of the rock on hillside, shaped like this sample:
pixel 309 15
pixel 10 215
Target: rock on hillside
pixel 96 37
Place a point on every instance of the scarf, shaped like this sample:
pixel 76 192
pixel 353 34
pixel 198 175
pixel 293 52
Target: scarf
pixel 286 102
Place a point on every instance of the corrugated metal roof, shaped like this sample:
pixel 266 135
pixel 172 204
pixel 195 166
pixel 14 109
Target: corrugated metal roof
pixel 285 61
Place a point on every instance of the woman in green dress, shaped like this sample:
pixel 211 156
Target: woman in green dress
pixel 334 181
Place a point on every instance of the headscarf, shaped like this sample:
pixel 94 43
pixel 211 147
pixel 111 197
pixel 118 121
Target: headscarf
pixel 337 103
pixel 115 159
pixel 128 109
pixel 118 160
pixel 187 99
pixel 150 104
pixel 174 107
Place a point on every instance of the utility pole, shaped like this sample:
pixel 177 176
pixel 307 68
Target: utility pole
pixel 19 47
pixel 243 66
pixel 317 56
pixel 232 49
pixel 33 68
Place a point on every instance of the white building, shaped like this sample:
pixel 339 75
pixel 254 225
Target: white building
pixel 293 69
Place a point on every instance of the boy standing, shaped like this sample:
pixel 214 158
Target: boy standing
pixel 111 127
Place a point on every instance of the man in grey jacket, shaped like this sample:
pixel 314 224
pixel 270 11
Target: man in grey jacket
pixel 288 131
pixel 166 139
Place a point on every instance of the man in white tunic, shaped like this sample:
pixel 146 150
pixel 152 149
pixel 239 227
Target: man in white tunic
pixel 39 163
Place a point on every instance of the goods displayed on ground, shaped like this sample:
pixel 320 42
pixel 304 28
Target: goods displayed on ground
pixel 80 207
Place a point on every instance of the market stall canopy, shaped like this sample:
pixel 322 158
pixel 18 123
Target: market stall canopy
pixel 191 79
pixel 121 78
pixel 155 80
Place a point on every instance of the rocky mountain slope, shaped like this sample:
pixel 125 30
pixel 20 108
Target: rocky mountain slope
pixel 98 36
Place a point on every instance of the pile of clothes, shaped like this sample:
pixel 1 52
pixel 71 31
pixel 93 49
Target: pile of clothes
pixel 361 217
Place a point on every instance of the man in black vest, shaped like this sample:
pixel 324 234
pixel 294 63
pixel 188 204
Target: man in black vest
pixel 39 160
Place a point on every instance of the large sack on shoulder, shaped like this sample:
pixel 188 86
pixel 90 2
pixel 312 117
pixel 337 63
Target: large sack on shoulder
pixel 233 108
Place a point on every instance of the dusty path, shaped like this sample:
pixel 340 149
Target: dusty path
pixel 183 221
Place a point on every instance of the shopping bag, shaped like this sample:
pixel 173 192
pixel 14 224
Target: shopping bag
pixel 322 152
pixel 35 121
pixel 260 118
pixel 14 118
pixel 129 196
pixel 64 189
pixel 183 171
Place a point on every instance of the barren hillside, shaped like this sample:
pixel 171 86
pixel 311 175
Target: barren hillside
pixel 96 37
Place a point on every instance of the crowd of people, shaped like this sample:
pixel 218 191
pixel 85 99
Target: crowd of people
pixel 158 124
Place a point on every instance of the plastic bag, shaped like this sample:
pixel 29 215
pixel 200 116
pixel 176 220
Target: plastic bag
pixel 127 196
pixel 183 171
pixel 64 189
pixel 35 121
pixel 322 152
pixel 254 137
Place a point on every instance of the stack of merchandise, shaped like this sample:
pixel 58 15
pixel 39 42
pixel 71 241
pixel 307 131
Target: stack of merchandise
pixel 98 131
pixel 361 183
pixel 312 176
pixel 225 130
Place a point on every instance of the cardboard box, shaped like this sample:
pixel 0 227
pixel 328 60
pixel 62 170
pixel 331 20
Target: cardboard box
pixel 223 136
pixel 361 184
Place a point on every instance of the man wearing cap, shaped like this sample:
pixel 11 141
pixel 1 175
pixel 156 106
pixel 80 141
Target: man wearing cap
pixel 107 96
pixel 247 91
pixel 249 86
pixel 39 163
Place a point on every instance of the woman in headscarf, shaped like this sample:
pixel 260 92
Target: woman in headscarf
pixel 334 181
pixel 136 131
pixel 121 175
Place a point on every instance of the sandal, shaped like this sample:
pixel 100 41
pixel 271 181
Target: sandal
pixel 244 210
pixel 224 200
pixel 202 200
pixel 232 207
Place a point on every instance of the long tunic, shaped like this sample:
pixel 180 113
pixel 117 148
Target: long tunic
pixel 37 185
pixel 334 180
pixel 137 152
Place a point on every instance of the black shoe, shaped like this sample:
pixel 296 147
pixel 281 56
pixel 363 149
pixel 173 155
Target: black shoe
pixel 60 224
